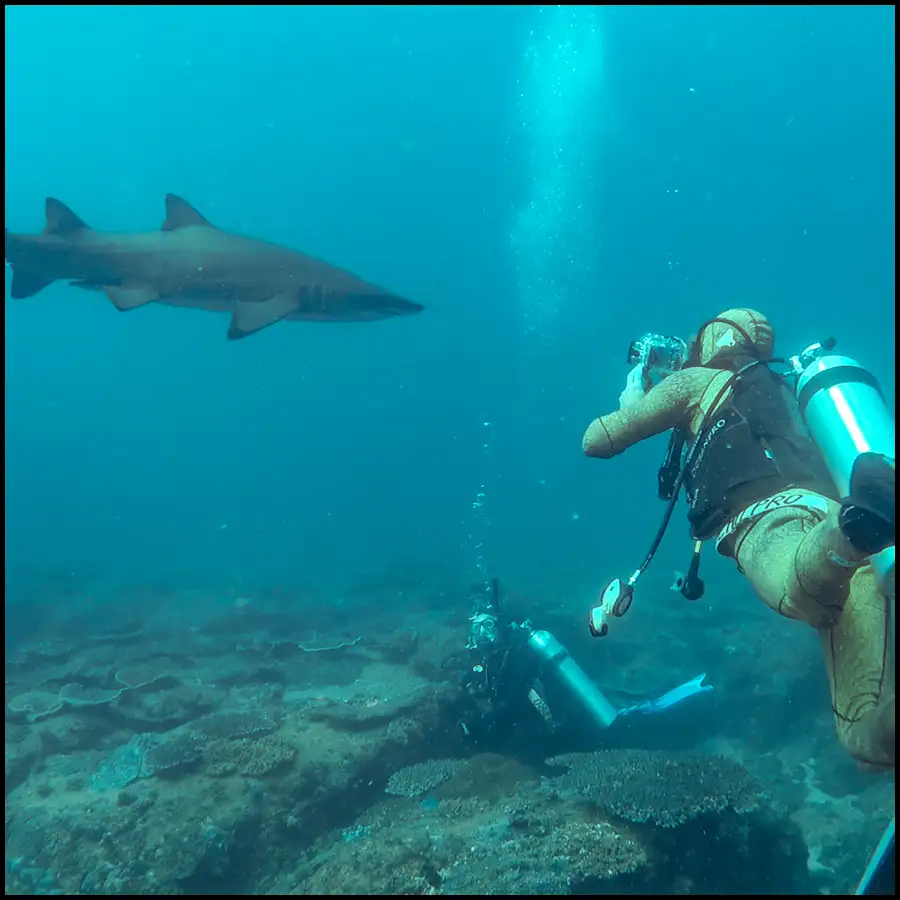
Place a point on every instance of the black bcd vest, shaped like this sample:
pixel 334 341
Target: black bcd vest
pixel 753 446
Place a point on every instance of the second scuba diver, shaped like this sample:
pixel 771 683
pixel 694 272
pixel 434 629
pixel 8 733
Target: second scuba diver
pixel 758 486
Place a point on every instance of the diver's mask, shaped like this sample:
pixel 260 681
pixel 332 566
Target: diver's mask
pixel 484 605
pixel 657 356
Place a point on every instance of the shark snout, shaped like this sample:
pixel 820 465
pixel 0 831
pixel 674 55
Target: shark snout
pixel 392 305
pixel 399 306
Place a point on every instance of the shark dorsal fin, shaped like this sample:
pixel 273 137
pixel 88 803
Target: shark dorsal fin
pixel 180 214
pixel 60 219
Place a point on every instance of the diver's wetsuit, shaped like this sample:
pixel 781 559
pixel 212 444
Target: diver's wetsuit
pixel 782 529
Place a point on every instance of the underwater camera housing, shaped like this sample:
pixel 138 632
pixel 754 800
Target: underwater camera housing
pixel 658 355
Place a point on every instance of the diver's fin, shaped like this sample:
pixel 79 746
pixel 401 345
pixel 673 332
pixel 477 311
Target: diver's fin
pixel 868 513
pixel 878 878
pixel 670 698
pixel 682 692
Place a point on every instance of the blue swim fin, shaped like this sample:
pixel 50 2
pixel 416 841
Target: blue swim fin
pixel 879 875
pixel 670 698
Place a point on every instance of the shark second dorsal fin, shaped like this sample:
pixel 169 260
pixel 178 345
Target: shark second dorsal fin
pixel 180 214
pixel 61 220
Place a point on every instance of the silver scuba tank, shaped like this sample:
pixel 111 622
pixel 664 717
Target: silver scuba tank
pixel 846 413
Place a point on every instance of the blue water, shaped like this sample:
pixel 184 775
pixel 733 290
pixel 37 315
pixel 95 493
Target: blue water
pixel 549 182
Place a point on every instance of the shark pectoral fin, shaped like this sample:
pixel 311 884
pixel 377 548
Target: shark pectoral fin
pixel 251 317
pixel 125 298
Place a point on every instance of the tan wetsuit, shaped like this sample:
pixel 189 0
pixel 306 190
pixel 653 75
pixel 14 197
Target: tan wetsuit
pixel 797 560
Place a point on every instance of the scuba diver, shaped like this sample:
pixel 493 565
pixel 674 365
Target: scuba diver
pixel 518 676
pixel 760 487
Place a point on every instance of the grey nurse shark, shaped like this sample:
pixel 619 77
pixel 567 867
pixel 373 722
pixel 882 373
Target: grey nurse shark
pixel 191 263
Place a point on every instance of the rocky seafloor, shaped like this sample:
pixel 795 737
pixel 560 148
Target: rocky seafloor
pixel 252 750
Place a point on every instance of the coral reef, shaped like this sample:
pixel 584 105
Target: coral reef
pixel 666 789
pixel 252 750
pixel 76 694
pixel 467 847
pixel 132 768
pixel 418 779
pixel 34 705
pixel 144 673
pixel 494 827
pixel 235 723
pixel 123 766
pixel 253 758
pixel 173 752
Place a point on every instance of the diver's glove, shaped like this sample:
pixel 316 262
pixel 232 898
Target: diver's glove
pixel 867 516
pixel 634 388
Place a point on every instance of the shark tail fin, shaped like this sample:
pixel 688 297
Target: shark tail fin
pixel 28 275
pixel 30 257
